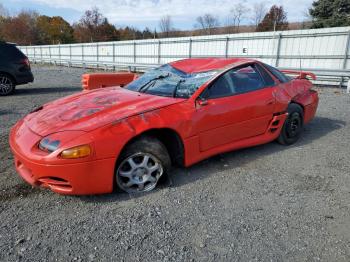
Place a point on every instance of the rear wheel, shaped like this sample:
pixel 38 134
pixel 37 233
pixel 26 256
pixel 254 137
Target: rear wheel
pixel 293 126
pixel 7 85
pixel 141 165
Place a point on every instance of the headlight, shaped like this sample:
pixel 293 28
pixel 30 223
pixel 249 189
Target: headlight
pixel 76 152
pixel 48 145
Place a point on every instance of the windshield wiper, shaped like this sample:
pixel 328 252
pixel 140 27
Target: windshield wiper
pixel 146 86
pixel 177 86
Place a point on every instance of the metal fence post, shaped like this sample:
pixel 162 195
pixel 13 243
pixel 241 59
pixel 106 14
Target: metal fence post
pixel 159 51
pixel 345 61
pixel 82 56
pixel 347 47
pixel 70 55
pixel 97 55
pixel 134 52
pixel 278 49
pixel 59 54
pixel 50 54
pixel 113 52
pixel 190 48
pixel 226 47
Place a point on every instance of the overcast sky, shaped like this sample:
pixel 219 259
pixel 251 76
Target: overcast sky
pixel 142 13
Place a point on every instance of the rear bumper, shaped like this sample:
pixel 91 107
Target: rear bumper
pixel 311 108
pixel 24 77
pixel 83 178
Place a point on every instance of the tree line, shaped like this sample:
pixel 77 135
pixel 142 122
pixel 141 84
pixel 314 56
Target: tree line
pixel 32 28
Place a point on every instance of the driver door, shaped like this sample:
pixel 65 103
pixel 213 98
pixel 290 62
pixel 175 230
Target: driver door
pixel 238 105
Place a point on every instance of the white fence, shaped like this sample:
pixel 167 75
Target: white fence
pixel 323 51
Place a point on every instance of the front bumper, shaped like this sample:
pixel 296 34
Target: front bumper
pixel 83 178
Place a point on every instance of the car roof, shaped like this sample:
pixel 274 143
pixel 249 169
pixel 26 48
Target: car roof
pixel 197 65
pixel 6 43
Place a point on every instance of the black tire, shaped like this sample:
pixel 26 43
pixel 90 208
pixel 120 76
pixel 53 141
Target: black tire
pixel 293 126
pixel 7 85
pixel 137 152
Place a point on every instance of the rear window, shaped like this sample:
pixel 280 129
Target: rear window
pixel 278 74
pixel 11 52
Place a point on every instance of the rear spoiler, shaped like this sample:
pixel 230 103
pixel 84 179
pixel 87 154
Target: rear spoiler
pixel 300 74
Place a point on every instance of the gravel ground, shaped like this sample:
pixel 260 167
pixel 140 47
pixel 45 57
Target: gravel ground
pixel 267 203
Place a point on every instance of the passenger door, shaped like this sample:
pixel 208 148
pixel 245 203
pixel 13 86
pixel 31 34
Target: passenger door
pixel 238 105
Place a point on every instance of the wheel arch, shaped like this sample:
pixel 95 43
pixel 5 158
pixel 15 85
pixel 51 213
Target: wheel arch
pixel 169 137
pixel 9 75
pixel 294 101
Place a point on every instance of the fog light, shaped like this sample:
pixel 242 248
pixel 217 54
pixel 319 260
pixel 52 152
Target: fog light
pixel 76 152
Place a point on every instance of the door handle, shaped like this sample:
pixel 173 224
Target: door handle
pixel 270 102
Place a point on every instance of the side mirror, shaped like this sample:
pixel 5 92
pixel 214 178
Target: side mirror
pixel 202 101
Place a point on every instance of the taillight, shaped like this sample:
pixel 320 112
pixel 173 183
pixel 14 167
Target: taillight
pixel 25 62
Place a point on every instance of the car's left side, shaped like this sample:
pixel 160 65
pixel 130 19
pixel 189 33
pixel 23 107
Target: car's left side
pixel 130 137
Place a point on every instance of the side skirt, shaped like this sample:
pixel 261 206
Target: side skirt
pixel 194 155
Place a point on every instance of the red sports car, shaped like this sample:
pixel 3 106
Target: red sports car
pixel 179 113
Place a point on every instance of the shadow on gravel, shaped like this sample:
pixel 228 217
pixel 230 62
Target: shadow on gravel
pixel 45 90
pixel 318 128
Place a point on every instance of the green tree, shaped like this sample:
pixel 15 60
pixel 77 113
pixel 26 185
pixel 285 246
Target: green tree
pixel 148 34
pixel 274 20
pixel 131 33
pixel 54 30
pixel 330 13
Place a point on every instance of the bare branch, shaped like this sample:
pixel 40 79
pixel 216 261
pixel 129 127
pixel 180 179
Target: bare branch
pixel 259 12
pixel 166 25
pixel 3 11
pixel 207 22
pixel 237 14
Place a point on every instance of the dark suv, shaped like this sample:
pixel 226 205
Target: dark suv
pixel 14 68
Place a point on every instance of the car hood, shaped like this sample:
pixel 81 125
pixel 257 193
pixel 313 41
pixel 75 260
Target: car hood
pixel 89 110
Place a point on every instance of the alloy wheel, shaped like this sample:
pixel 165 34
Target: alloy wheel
pixel 6 85
pixel 294 125
pixel 139 173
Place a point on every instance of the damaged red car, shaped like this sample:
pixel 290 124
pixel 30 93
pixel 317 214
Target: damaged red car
pixel 129 136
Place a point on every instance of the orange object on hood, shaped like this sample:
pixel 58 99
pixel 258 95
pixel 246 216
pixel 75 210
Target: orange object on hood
pixel 101 80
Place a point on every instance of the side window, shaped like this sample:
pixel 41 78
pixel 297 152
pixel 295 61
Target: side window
pixel 278 74
pixel 222 87
pixel 246 79
pixel 237 81
pixel 265 75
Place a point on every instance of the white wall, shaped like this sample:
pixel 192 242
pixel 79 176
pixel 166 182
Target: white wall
pixel 313 49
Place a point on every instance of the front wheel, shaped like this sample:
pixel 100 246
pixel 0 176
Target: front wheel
pixel 7 85
pixel 293 126
pixel 141 165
